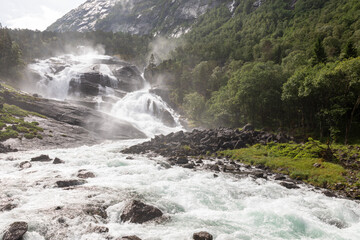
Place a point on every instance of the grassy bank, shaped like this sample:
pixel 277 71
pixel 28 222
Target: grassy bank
pixel 333 167
pixel 12 120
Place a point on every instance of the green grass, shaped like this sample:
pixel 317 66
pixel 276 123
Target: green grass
pixel 299 161
pixel 13 125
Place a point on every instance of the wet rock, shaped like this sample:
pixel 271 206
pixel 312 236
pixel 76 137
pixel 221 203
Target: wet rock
pixel 138 212
pixel 129 158
pixel 41 158
pixel 182 160
pixel 329 193
pixel 189 165
pixel 25 165
pixel 96 211
pixel 70 183
pixel 85 174
pixel 6 149
pixel 61 220
pixel 58 161
pixel 289 185
pixel 100 229
pixel 15 231
pixel 202 236
pixel 259 174
pixel 215 168
pixel 279 177
pixel 129 238
pixel 7 207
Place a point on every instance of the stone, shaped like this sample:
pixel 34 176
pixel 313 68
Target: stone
pixel 289 185
pixel 70 183
pixel 130 238
pixel 248 127
pixel 202 236
pixel 182 160
pixel 96 211
pixel 100 229
pixel 25 165
pixel 41 158
pixel 85 174
pixel 58 161
pixel 138 212
pixel 7 207
pixel 15 231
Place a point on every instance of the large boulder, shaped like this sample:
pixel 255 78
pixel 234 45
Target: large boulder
pixel 89 83
pixel 15 231
pixel 138 212
pixel 129 78
pixel 70 183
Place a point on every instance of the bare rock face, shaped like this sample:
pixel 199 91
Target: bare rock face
pixel 15 231
pixel 138 212
pixel 202 236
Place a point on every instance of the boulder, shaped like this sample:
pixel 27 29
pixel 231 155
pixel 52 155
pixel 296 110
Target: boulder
pixel 58 161
pixel 7 207
pixel 85 174
pixel 138 212
pixel 130 238
pixel 70 183
pixel 26 164
pixel 6 149
pixel 202 236
pixel 289 185
pixel 129 78
pixel 41 158
pixel 96 211
pixel 15 231
pixel 248 127
pixel 182 160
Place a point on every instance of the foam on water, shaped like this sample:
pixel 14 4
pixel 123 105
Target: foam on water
pixel 227 207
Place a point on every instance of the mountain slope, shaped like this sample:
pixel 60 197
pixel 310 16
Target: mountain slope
pixel 136 16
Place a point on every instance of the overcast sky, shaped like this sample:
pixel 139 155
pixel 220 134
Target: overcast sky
pixel 34 14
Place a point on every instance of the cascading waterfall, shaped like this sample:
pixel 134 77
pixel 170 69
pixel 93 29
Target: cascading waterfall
pixel 227 206
pixel 144 110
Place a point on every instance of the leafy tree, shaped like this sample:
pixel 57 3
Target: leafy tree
pixel 350 50
pixel 319 52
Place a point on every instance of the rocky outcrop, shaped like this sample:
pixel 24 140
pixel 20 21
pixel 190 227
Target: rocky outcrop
pixel 15 231
pixel 201 142
pixel 138 212
pixel 58 161
pixel 85 174
pixel 202 236
pixel 102 124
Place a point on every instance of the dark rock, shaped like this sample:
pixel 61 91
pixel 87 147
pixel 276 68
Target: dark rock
pixel 138 212
pixel 215 168
pixel 129 158
pixel 61 220
pixel 317 165
pixel 202 236
pixel 279 177
pixel 96 211
pixel 129 238
pixel 8 207
pixel 70 183
pixel 41 158
pixel 84 174
pixel 289 185
pixel 100 229
pixel 189 165
pixel 182 160
pixel 6 149
pixel 329 193
pixel 58 161
pixel 15 231
pixel 26 164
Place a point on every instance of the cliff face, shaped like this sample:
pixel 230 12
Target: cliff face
pixel 172 17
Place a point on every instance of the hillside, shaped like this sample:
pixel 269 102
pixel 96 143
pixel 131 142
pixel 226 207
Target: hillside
pixel 135 16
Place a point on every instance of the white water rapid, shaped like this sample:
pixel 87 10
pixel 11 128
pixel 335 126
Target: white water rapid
pixel 228 207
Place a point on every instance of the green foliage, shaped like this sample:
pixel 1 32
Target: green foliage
pixel 194 105
pixel 299 161
pixel 10 54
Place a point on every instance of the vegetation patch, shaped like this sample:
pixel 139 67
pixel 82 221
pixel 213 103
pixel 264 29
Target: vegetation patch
pixel 13 125
pixel 308 162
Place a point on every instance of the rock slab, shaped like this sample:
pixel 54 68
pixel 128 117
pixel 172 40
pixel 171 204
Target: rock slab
pixel 202 236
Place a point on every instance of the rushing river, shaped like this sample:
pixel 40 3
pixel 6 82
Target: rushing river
pixel 226 206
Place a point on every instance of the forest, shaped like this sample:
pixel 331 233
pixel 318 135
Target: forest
pixel 285 65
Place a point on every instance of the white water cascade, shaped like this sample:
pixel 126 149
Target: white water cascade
pixel 139 107
pixel 228 207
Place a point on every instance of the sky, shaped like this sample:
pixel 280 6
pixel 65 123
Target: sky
pixel 34 14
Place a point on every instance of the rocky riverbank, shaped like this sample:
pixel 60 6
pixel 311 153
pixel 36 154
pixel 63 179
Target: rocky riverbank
pixel 199 150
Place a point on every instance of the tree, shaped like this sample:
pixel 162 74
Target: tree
pixel 350 50
pixel 319 52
